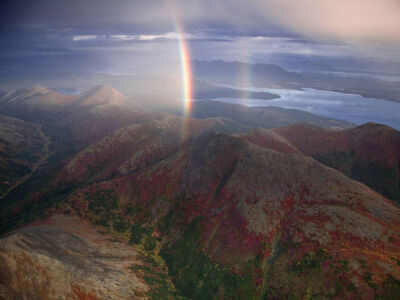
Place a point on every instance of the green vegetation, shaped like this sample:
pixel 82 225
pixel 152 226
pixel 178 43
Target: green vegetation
pixel 32 200
pixel 391 289
pixel 133 224
pixel 14 171
pixel 103 209
pixel 176 266
pixel 369 280
pixel 191 269
pixel 137 233
pixel 311 262
pixel 21 149
pixel 196 276
pixel 172 251
pixel 345 265
pixel 315 275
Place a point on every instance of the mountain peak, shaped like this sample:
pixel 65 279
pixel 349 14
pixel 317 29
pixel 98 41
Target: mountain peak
pixel 103 88
pixel 102 94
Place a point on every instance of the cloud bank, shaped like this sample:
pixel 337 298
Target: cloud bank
pixel 356 20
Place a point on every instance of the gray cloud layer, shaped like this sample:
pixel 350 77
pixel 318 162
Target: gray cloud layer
pixel 104 34
pixel 358 20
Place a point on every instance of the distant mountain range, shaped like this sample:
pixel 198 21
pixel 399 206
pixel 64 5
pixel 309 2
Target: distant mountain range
pixel 163 78
pixel 131 85
pixel 131 198
pixel 273 76
pixel 362 66
pixel 39 102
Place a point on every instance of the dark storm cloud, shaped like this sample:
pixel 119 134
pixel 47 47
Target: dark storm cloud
pixel 144 16
pixel 85 14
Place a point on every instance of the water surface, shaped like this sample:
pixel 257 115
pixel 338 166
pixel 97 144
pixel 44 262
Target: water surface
pixel 346 107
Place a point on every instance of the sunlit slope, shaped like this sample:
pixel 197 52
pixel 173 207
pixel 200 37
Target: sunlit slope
pixel 66 257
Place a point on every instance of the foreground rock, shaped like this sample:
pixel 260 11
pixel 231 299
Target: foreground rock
pixel 66 258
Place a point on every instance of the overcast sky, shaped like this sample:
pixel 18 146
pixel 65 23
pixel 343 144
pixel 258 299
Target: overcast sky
pixel 107 35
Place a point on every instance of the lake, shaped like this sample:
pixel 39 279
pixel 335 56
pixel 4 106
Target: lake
pixel 346 107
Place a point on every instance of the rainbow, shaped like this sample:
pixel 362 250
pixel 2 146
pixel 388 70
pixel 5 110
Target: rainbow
pixel 186 70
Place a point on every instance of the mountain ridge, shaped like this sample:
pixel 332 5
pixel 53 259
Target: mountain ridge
pixel 241 206
pixel 244 210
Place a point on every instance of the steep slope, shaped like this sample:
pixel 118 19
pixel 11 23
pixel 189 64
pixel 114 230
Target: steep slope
pixel 67 119
pixel 273 219
pixel 40 100
pixel 66 257
pixel 269 139
pixel 100 96
pixel 369 153
pixel 78 120
pixel 97 112
pixel 34 103
pixel 21 148
pixel 123 151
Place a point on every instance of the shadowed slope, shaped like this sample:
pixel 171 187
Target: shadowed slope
pixel 21 148
pixel 369 153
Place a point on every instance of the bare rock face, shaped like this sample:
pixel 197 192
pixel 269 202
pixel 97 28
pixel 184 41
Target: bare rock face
pixel 66 258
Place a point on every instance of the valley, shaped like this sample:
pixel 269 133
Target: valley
pixel 346 107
